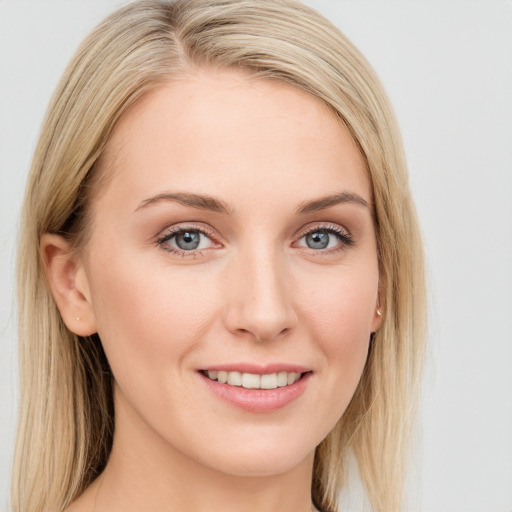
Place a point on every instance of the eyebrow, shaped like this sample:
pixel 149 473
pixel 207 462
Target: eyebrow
pixel 199 201
pixel 326 202
pixel 204 202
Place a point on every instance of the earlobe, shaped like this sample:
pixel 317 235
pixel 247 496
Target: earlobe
pixel 377 319
pixel 379 312
pixel 68 283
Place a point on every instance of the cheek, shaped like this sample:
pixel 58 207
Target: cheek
pixel 340 315
pixel 146 319
pixel 342 332
pixel 342 304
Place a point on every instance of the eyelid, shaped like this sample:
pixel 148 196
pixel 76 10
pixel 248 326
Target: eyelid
pixel 167 234
pixel 326 226
pixel 319 226
pixel 344 235
pixel 184 226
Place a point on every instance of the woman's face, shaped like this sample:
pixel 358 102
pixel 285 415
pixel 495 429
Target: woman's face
pixel 234 240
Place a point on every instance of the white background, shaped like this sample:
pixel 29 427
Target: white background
pixel 447 66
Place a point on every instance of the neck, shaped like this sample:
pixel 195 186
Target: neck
pixel 186 486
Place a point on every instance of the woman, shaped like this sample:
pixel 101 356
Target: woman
pixel 221 284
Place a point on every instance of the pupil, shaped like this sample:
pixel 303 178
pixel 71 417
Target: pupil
pixel 317 240
pixel 188 240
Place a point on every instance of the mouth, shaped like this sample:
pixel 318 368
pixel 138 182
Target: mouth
pixel 262 389
pixel 254 380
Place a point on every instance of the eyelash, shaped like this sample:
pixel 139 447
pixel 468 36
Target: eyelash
pixel 344 237
pixel 172 232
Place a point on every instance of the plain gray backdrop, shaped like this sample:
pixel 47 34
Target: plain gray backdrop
pixel 447 67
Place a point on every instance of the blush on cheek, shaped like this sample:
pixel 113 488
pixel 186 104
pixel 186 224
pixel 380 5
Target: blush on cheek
pixel 343 328
pixel 153 313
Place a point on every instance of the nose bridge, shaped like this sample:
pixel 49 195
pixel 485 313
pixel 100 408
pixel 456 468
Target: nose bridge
pixel 260 299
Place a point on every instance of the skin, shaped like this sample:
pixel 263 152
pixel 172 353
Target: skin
pixel 254 292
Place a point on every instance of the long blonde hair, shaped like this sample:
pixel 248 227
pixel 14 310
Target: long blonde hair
pixel 66 414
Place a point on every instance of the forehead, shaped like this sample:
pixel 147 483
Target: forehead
pixel 225 131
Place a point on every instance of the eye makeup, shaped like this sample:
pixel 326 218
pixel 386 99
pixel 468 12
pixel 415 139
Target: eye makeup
pixel 187 240
pixel 192 240
pixel 326 238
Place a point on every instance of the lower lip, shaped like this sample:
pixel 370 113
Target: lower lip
pixel 258 400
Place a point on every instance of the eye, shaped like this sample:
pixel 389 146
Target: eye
pixel 325 238
pixel 185 240
pixel 188 240
pixel 320 240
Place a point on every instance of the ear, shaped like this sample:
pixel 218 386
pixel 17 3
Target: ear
pixel 378 313
pixel 68 283
pixel 377 320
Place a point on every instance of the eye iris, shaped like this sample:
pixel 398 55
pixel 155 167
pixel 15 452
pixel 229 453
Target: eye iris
pixel 317 240
pixel 188 240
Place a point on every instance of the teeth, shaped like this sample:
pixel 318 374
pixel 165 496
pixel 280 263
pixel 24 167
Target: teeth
pixel 282 379
pixel 234 378
pixel 255 381
pixel 269 381
pixel 251 381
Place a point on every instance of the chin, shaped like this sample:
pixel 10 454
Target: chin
pixel 262 465
pixel 274 456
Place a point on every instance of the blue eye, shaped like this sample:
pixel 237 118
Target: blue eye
pixel 325 238
pixel 318 239
pixel 188 240
pixel 185 240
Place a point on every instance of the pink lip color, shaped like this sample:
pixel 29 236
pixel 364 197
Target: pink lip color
pixel 257 400
pixel 259 369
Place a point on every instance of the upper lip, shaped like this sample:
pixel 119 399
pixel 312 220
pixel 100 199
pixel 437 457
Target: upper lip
pixel 258 369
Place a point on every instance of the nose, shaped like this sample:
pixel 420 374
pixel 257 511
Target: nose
pixel 259 298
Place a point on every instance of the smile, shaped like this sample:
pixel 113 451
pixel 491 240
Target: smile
pixel 254 380
pixel 257 388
